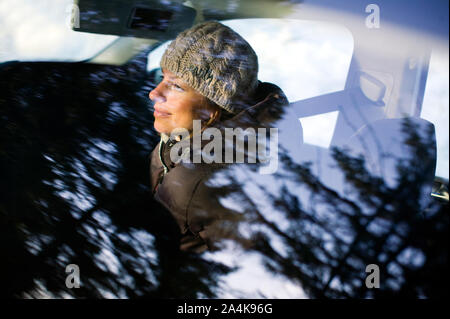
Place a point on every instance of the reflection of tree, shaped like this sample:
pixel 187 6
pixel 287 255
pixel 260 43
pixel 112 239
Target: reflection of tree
pixel 74 146
pixel 325 240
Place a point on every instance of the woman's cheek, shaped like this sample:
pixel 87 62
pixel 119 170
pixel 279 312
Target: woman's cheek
pixel 182 122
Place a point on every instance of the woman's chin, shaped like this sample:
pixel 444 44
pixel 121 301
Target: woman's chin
pixel 160 128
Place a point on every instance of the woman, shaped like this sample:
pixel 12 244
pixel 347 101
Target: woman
pixel 210 75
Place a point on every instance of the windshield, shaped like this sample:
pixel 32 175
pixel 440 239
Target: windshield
pixel 40 31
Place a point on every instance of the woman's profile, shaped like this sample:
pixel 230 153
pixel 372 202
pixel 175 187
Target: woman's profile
pixel 210 81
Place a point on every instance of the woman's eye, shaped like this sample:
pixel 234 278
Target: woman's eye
pixel 177 87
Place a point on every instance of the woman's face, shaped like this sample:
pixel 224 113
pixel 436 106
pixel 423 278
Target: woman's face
pixel 176 104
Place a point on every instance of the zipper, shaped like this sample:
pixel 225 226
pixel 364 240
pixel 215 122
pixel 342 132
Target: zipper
pixel 166 169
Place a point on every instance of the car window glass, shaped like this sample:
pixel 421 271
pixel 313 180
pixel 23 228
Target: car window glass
pixel 31 32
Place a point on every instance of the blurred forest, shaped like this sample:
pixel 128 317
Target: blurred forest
pixel 75 141
pixel 74 158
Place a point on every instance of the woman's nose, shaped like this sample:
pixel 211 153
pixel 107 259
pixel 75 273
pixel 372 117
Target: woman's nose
pixel 156 95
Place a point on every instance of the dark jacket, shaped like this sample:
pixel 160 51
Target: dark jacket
pixel 184 190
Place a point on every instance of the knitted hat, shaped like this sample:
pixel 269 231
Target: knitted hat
pixel 216 62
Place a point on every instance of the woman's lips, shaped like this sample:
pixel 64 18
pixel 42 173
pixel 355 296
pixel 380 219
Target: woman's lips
pixel 160 112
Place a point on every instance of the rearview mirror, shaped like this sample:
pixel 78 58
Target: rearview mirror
pixel 151 19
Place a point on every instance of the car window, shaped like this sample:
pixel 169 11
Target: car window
pixel 31 32
pixel 351 189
